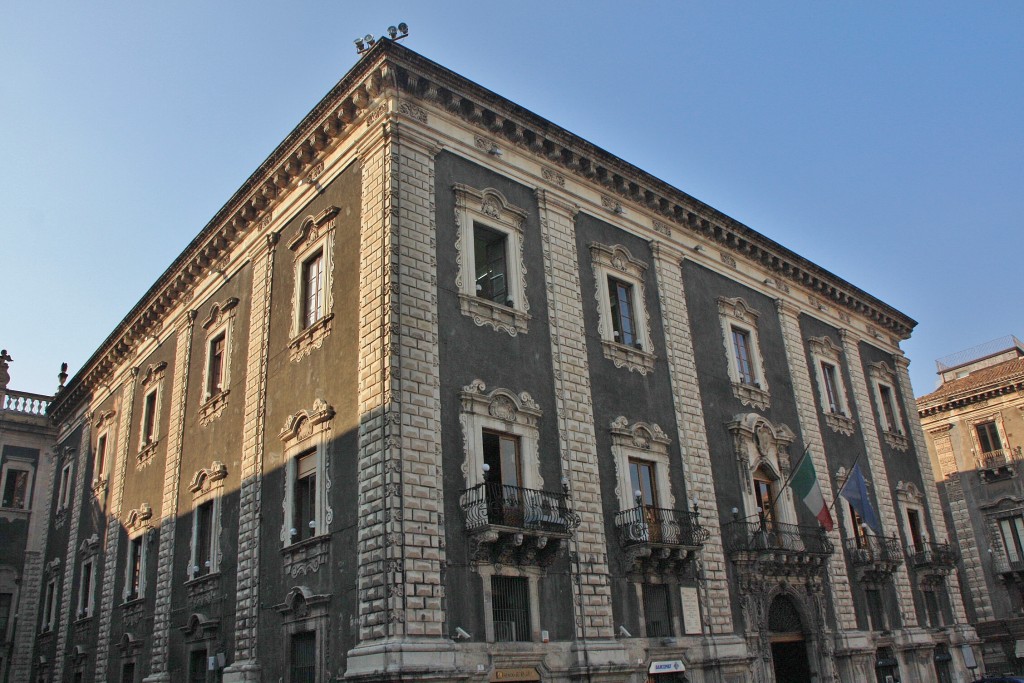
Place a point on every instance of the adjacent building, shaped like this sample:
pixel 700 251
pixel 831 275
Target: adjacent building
pixel 974 426
pixel 445 392
pixel 26 474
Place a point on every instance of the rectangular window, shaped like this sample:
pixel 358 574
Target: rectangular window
pixel 503 476
pixel 916 534
pixel 510 608
pixel 100 461
pixel 303 658
pixel 764 498
pixel 197 666
pixel 656 612
pixel 64 496
pixel 828 372
pixel 888 408
pixel 215 369
pixel 16 489
pixel 85 589
pixel 6 605
pixel 1012 531
pixel 135 567
pixel 988 437
pixel 128 672
pixel 876 610
pixel 931 606
pixel 620 295
pixel 149 419
pixel 744 361
pixel 313 289
pixel 49 605
pixel 304 513
pixel 860 531
pixel 490 249
pixel 204 539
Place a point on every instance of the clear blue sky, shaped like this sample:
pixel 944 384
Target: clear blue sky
pixel 882 141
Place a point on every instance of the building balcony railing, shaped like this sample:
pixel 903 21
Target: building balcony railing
pixel 765 536
pixel 932 556
pixel 1002 457
pixel 515 525
pixel 25 403
pixel 1009 570
pixel 659 540
pixel 874 557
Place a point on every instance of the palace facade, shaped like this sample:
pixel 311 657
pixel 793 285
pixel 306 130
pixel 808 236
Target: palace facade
pixel 445 392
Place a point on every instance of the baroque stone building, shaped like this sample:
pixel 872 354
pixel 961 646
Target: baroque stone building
pixel 446 392
pixel 26 470
pixel 974 423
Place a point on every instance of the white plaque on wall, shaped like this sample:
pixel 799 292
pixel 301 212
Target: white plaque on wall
pixel 691 609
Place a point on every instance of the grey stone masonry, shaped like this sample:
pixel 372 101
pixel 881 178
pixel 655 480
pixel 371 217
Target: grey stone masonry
pixel 67 617
pixel 693 442
pixel 113 530
pixel 380 474
pixel 419 518
pixel 967 545
pixel 879 475
pixel 931 492
pixel 807 414
pixel 245 666
pixel 169 506
pixel 28 613
pixel 574 407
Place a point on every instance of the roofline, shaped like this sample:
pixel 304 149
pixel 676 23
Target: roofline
pixel 389 65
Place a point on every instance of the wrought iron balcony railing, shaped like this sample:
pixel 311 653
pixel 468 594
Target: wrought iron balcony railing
pixel 931 555
pixel 1002 457
pixel 874 550
pixel 758 536
pixel 1004 565
pixel 517 508
pixel 660 526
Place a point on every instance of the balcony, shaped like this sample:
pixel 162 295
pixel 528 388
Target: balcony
pixel 659 540
pixel 931 557
pixel 998 464
pixel 514 525
pixel 762 547
pixel 1011 571
pixel 874 558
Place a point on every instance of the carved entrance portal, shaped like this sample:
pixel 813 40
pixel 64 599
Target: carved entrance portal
pixel 788 644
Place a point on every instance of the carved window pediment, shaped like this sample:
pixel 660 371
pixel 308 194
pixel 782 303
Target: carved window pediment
pixel 743 352
pixel 138 519
pixel 615 269
pixel 313 297
pixel 306 436
pixel 203 480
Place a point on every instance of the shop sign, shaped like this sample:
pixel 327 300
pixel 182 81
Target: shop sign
pixel 667 667
pixel 526 673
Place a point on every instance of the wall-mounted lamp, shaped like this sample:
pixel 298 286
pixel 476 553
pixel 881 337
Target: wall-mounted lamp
pixel 460 634
pixel 623 633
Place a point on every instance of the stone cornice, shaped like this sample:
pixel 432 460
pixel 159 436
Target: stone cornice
pixel 975 395
pixel 392 67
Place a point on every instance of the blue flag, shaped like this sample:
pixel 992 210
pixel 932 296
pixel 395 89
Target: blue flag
pixel 855 490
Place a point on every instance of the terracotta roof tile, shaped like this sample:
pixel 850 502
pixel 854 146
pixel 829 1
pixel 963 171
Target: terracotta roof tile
pixel 1002 373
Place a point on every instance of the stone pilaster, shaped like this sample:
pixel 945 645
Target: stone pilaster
pixel 113 530
pixel 380 473
pixel 807 414
pixel 880 477
pixel 401 533
pixel 78 492
pixel 575 410
pixel 245 666
pixel 693 441
pixel 931 492
pixel 169 506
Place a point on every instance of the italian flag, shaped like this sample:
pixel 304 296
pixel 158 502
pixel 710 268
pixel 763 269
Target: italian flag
pixel 805 485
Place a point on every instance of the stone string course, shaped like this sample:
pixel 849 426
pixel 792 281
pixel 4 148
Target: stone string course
pixel 879 476
pixel 693 441
pixel 169 506
pixel 246 666
pixel 931 491
pixel 807 414
pixel 574 407
pixel 107 580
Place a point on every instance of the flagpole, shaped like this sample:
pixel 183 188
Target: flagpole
pixel 792 473
pixel 839 493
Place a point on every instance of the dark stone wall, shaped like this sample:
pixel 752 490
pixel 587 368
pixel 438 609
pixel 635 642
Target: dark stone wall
pixel 619 392
pixel 703 288
pixel 520 363
pixel 329 373
pixel 14 528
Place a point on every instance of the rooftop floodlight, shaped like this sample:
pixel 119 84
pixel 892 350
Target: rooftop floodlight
pixel 404 29
pixel 359 44
pixel 392 32
pixel 369 39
